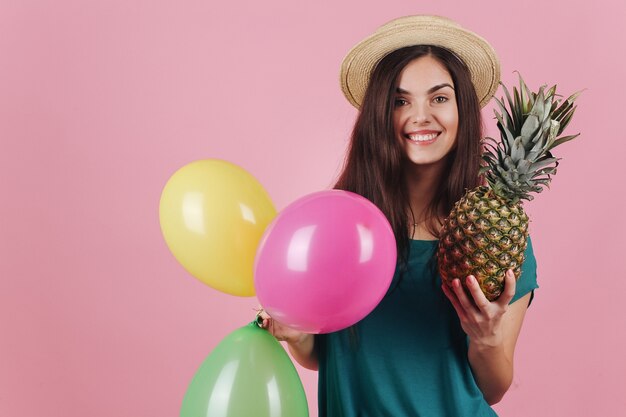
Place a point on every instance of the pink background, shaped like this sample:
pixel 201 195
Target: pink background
pixel 100 102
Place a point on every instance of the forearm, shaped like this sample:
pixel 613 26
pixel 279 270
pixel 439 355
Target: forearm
pixel 303 351
pixel 493 328
pixel 493 370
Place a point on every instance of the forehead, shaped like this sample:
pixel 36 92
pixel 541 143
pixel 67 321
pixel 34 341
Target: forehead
pixel 423 73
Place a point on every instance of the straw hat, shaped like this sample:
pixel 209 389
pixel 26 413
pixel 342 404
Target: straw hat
pixel 474 51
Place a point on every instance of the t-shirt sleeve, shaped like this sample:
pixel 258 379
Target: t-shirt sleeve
pixel 527 282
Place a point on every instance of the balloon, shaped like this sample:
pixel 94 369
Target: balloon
pixel 325 262
pixel 247 374
pixel 213 214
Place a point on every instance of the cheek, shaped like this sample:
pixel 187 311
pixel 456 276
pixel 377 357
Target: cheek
pixel 451 121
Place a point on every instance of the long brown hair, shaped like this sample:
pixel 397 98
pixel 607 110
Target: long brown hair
pixel 373 166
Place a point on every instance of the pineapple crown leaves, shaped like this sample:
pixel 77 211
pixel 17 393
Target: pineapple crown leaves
pixel 521 163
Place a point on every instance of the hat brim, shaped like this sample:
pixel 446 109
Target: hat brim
pixel 477 54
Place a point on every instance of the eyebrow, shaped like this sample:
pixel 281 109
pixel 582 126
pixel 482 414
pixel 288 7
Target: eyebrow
pixel 430 90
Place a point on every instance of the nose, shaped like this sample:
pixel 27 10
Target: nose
pixel 421 114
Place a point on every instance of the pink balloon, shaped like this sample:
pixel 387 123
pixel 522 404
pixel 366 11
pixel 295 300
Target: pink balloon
pixel 325 262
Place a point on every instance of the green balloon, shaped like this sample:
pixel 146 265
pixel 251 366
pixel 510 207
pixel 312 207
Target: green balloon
pixel 248 374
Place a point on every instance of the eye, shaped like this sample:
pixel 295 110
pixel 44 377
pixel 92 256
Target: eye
pixel 399 102
pixel 440 99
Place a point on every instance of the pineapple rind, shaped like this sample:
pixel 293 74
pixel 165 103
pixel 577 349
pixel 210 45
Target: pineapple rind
pixel 479 245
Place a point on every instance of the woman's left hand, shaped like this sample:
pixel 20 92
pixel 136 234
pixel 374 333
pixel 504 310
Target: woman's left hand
pixel 480 318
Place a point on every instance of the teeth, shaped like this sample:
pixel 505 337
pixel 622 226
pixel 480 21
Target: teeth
pixel 423 138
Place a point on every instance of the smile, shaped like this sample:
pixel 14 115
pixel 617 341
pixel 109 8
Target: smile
pixel 422 138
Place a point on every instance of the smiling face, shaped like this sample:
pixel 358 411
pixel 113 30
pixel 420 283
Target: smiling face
pixel 425 115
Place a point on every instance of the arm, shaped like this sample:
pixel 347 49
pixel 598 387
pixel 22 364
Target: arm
pixel 493 328
pixel 301 345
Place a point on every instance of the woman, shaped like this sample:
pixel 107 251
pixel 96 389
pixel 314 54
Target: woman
pixel 427 349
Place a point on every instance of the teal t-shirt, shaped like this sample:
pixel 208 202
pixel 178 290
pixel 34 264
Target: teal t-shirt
pixel 408 357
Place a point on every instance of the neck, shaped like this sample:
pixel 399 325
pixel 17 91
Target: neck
pixel 421 232
pixel 422 185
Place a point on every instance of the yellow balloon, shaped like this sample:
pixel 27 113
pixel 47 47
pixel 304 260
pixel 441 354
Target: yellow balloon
pixel 213 215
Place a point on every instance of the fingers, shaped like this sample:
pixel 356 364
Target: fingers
pixel 480 319
pixel 509 289
pixel 269 325
pixel 469 305
pixel 476 304
pixel 276 329
pixel 477 293
pixel 460 311
pixel 263 319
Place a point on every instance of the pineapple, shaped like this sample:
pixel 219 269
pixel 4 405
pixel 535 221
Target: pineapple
pixel 486 231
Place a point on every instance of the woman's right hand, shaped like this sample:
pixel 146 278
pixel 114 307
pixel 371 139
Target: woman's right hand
pixel 301 345
pixel 280 331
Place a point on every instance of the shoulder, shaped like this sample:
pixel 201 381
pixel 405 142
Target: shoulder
pixel 527 281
